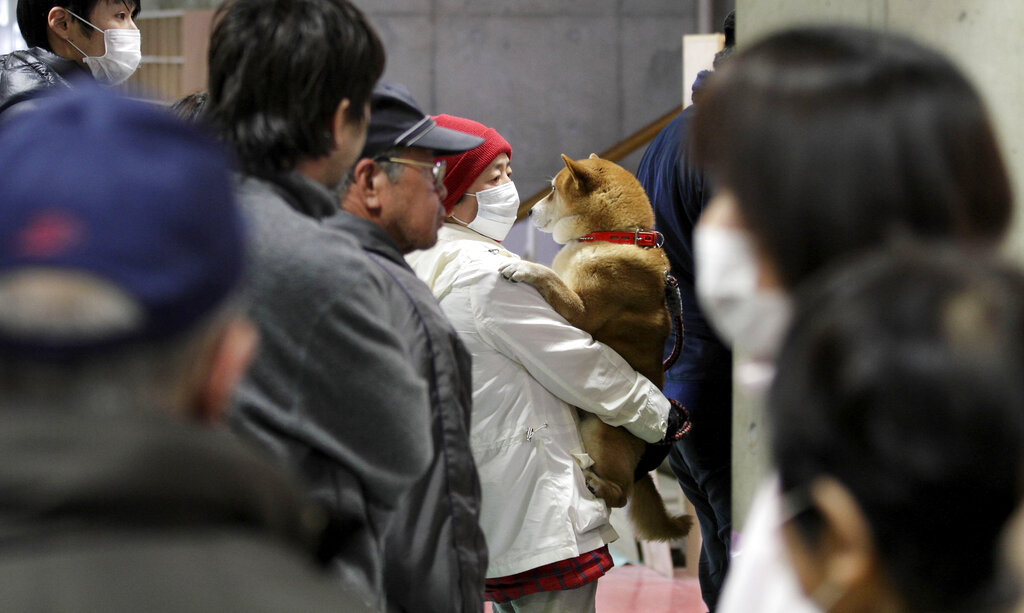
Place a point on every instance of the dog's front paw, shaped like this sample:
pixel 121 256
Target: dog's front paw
pixel 523 272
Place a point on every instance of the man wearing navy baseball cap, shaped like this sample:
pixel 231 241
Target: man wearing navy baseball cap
pixel 121 256
pixel 392 205
pixel 332 391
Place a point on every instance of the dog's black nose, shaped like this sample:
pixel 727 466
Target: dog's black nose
pixel 530 212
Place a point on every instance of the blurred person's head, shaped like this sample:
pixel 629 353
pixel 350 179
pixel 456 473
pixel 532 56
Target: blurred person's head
pixel 290 84
pixel 191 107
pixel 825 141
pixel 897 431
pixel 123 254
pixel 397 183
pixel 98 34
pixel 481 194
pixel 723 55
pixel 729 29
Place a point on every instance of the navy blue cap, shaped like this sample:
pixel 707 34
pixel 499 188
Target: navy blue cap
pixel 121 190
pixel 397 121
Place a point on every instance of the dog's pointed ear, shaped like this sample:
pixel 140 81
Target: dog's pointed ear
pixel 594 156
pixel 578 172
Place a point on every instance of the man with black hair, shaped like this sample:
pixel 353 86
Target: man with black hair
pixel 332 392
pixel 63 46
pixel 701 378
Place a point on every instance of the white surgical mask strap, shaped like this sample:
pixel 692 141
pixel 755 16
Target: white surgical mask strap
pixel 85 21
pixel 68 41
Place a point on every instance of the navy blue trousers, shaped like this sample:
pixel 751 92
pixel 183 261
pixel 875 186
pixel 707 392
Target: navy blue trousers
pixel 702 463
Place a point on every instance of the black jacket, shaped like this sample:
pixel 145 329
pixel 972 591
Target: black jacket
pixel 24 74
pixel 137 512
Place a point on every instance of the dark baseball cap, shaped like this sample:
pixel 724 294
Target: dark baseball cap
pixel 397 121
pixel 120 191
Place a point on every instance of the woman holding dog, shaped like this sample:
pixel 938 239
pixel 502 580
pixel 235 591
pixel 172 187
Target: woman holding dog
pixel 547 534
pixel 826 142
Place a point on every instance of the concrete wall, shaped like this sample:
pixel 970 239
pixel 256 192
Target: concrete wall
pixel 982 37
pixel 568 76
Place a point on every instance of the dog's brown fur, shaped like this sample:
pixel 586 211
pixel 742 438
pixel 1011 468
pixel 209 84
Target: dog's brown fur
pixel 616 293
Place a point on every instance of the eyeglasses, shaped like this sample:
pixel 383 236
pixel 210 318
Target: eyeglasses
pixel 437 169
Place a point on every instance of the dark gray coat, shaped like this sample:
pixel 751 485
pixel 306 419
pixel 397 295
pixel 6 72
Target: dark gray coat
pixel 134 511
pixel 436 555
pixel 330 391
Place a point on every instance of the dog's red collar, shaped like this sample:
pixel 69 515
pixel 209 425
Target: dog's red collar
pixel 641 238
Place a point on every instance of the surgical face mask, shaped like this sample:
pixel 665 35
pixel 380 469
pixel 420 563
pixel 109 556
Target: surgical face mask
pixel 121 58
pixel 495 211
pixel 750 319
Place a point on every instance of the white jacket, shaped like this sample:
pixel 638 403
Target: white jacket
pixel 760 576
pixel 530 367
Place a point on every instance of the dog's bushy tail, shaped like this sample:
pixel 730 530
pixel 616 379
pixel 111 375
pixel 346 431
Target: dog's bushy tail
pixel 649 516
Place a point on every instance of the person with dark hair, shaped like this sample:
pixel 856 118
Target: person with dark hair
pixel 898 143
pixel 701 377
pixel 332 391
pixel 825 142
pixel 122 334
pixel 391 201
pixel 191 107
pixel 729 30
pixel 63 46
pixel 898 435
pixel 330 57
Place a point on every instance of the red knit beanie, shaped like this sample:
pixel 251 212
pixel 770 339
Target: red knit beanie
pixel 464 168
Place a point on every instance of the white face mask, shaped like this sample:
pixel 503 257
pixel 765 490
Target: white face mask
pixel 750 319
pixel 496 210
pixel 121 58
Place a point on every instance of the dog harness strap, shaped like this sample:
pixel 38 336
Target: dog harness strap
pixel 641 238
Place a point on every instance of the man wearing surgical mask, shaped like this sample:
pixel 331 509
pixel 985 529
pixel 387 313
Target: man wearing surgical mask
pixel 547 534
pixel 70 39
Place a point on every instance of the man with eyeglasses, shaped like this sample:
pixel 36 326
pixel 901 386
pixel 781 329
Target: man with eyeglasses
pixel 397 184
pixel 435 555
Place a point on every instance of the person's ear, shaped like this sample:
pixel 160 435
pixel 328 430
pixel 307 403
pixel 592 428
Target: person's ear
pixel 228 362
pixel 371 180
pixel 59 21
pixel 338 122
pixel 340 119
pixel 849 560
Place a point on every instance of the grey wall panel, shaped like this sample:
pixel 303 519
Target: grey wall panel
pixel 535 8
pixel 409 41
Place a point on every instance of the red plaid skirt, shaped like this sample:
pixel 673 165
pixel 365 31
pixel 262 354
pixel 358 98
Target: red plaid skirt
pixel 562 575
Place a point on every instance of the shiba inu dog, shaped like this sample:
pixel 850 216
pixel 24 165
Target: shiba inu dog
pixel 609 279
